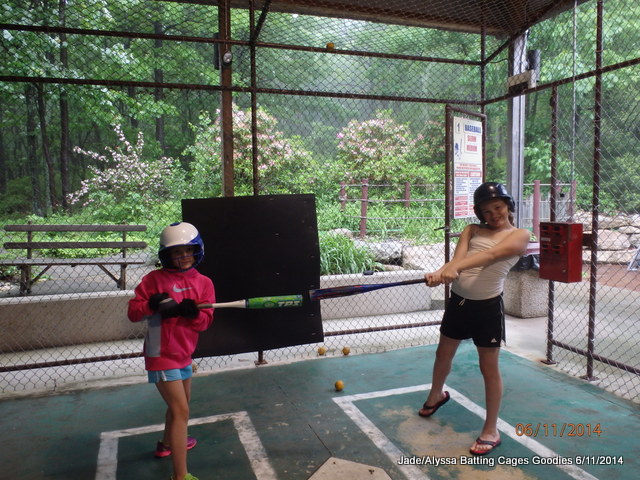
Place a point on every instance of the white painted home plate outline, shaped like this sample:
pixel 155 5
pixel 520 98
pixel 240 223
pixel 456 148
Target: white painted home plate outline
pixel 262 469
pixel 412 472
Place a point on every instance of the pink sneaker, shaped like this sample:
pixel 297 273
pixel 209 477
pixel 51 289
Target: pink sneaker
pixel 163 450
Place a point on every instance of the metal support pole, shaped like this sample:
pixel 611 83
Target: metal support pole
pixel 552 216
pixel 597 142
pixel 516 112
pixel 226 107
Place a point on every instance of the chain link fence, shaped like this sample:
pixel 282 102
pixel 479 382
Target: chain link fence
pixel 111 113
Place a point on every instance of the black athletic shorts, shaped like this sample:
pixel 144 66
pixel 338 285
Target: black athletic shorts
pixel 480 320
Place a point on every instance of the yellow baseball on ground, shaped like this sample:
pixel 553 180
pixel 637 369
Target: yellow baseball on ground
pixel 346 351
pixel 322 350
pixel 331 46
pixel 339 385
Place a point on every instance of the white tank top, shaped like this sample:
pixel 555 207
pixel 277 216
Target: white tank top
pixel 481 283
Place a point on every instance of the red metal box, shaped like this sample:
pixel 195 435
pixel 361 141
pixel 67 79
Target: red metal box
pixel 561 251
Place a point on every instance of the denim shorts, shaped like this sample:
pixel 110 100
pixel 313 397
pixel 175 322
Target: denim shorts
pixel 170 375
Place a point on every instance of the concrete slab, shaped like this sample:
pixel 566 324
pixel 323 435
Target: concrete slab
pixel 286 421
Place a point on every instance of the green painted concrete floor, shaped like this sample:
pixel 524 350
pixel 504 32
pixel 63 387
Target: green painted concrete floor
pixel 285 421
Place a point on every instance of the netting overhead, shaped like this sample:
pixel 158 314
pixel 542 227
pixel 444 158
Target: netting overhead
pixel 497 17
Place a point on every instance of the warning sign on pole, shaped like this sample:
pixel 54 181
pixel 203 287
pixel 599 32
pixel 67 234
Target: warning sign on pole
pixel 467 164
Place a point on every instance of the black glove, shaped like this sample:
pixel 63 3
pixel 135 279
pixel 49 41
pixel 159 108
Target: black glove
pixel 165 305
pixel 168 307
pixel 155 299
pixel 188 308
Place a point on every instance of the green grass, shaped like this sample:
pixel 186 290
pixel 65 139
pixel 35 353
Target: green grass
pixel 339 255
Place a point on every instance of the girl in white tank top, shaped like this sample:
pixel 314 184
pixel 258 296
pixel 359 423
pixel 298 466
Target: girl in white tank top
pixel 483 257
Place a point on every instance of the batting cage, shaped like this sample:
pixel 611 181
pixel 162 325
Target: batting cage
pixel 312 144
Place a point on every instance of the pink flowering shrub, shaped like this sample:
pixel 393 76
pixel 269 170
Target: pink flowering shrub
pixel 384 150
pixel 282 162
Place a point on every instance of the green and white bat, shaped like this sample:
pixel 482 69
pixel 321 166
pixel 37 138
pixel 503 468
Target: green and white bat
pixel 278 301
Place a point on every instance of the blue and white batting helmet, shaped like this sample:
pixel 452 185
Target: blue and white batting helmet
pixel 180 234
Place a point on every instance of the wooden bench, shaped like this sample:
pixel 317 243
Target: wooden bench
pixel 27 279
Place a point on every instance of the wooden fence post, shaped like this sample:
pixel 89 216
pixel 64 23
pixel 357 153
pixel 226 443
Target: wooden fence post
pixel 364 201
pixel 572 199
pixel 343 196
pixel 535 221
pixel 407 194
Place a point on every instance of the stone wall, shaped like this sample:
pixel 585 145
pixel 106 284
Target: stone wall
pixel 618 237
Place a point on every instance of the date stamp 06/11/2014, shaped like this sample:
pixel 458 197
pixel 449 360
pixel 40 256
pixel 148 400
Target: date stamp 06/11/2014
pixel 558 429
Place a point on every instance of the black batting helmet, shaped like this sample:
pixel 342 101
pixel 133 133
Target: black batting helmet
pixel 489 191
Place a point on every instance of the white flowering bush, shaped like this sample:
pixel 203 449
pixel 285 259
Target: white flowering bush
pixel 123 185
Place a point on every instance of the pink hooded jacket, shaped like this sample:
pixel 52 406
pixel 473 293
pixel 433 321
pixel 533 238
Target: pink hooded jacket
pixel 170 342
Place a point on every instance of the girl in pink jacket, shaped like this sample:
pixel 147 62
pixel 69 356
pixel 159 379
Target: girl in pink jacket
pixel 168 300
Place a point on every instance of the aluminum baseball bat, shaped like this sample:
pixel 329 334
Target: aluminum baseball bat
pixel 278 301
pixel 346 290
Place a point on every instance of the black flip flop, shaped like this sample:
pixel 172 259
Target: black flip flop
pixel 493 446
pixel 434 407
